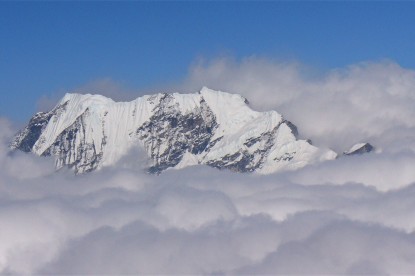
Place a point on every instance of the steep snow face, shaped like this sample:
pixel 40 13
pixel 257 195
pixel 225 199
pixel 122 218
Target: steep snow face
pixel 219 129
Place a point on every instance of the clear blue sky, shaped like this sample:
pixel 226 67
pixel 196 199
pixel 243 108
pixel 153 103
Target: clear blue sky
pixel 50 46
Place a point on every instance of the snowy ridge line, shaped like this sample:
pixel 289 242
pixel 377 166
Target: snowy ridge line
pixel 219 129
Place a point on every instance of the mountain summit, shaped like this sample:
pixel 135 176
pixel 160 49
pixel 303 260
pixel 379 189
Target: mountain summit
pixel 218 129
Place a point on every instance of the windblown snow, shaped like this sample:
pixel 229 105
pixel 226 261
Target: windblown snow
pixel 214 128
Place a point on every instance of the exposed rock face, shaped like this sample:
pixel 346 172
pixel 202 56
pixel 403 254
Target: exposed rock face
pixel 72 148
pixel 26 139
pixel 169 134
pixel 88 132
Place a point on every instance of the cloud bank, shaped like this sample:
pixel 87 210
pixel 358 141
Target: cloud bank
pixel 338 108
pixel 350 215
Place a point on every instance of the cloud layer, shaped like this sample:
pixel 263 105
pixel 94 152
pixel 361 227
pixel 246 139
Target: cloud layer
pixel 369 101
pixel 350 215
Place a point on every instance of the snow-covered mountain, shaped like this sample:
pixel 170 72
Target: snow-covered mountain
pixel 360 148
pixel 219 129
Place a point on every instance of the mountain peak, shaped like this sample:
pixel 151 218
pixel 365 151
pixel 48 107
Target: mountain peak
pixel 359 148
pixel 214 128
pixel 85 99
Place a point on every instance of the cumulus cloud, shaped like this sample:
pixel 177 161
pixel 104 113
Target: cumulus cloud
pixel 353 248
pixel 201 220
pixel 369 101
pixel 336 108
pixel 349 215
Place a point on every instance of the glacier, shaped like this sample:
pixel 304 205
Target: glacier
pixel 219 129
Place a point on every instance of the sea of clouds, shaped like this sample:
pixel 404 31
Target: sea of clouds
pixel 351 215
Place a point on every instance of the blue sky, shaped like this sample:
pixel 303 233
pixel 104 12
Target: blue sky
pixel 47 47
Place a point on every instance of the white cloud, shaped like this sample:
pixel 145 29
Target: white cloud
pixel 200 220
pixel 350 215
pixel 369 101
pixel 343 247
